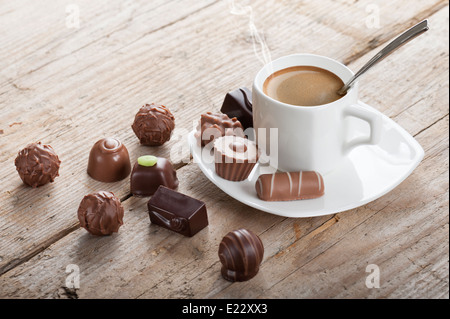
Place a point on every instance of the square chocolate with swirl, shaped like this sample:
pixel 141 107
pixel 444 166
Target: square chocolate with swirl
pixel 177 212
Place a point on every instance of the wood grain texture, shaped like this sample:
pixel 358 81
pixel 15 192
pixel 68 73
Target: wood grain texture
pixel 71 87
pixel 304 258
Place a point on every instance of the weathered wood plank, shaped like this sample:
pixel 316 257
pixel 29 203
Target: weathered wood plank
pixel 30 46
pixel 406 239
pixel 62 113
pixel 165 252
pixel 45 119
pixel 312 257
pixel 402 94
pixel 136 78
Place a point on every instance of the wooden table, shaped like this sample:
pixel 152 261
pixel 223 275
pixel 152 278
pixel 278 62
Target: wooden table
pixel 69 82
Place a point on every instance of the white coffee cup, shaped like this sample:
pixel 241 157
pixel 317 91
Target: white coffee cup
pixel 309 137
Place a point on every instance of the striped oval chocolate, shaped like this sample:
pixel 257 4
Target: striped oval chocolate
pixel 240 252
pixel 290 186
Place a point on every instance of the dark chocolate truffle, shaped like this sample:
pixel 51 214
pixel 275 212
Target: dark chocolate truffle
pixel 177 212
pixel 37 164
pixel 149 173
pixel 214 125
pixel 101 213
pixel 240 252
pixel 238 104
pixel 153 124
pixel 109 161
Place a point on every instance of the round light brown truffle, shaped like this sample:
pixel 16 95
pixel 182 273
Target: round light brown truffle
pixel 37 164
pixel 153 124
pixel 101 213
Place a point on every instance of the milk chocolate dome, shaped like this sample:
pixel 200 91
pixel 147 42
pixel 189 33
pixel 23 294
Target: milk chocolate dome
pixel 109 161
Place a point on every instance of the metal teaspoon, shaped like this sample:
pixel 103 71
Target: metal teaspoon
pixel 403 38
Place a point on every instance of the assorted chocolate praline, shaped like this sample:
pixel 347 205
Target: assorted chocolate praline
pixel 215 125
pixel 240 252
pixel 109 161
pixel 238 104
pixel 149 172
pixel 177 212
pixel 287 186
pixel 235 157
pixel 153 124
pixel 37 164
pixel 101 213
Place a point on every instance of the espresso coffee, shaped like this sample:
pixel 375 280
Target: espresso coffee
pixel 303 86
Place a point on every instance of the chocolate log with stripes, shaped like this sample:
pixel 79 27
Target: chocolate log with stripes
pixel 290 186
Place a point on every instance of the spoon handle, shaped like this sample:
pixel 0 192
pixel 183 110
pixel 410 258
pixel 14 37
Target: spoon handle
pixel 395 44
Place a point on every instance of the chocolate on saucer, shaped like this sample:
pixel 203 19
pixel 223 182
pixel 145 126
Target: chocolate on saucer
pixel 149 173
pixel 215 125
pixel 235 157
pixel 238 104
pixel 290 186
pixel 109 161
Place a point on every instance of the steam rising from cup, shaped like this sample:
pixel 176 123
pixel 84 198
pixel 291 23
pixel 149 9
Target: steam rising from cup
pixel 260 47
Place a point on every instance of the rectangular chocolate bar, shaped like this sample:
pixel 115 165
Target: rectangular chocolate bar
pixel 290 186
pixel 177 212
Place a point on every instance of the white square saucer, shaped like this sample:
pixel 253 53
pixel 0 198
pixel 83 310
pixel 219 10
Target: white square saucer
pixel 367 173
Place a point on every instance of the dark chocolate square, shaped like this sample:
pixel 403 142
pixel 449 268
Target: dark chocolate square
pixel 238 104
pixel 177 212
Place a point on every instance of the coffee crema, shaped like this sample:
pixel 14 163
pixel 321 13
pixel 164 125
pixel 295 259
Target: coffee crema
pixel 303 86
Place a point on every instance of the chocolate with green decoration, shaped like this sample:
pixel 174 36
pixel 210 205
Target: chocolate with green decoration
pixel 149 172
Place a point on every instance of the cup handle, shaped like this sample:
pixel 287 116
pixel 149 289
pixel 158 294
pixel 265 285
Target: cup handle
pixel 374 120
